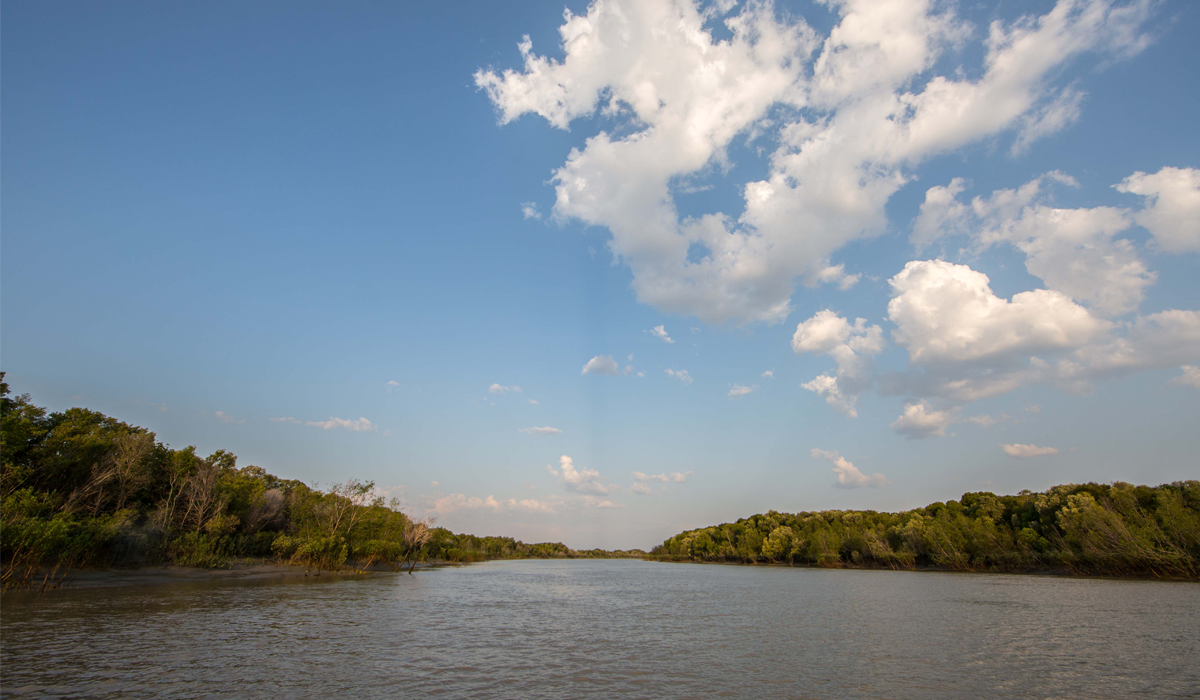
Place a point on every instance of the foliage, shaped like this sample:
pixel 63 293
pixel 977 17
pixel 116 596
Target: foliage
pixel 79 488
pixel 1103 529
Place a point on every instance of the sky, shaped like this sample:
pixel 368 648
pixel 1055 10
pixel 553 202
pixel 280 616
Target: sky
pixel 604 272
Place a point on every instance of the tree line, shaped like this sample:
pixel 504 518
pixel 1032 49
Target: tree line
pixel 81 489
pixel 1097 529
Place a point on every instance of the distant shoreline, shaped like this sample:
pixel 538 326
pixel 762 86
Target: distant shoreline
pixel 1063 573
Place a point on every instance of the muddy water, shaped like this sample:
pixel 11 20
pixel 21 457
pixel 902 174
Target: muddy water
pixel 571 629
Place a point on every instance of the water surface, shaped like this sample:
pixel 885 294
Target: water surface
pixel 570 629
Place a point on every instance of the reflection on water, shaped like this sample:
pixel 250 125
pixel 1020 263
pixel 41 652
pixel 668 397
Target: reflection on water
pixel 568 629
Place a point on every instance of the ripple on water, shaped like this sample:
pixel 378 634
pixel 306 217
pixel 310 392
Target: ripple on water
pixel 630 629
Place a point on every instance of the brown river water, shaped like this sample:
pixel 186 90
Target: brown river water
pixel 610 629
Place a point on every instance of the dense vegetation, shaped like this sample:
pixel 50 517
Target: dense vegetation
pixel 1116 529
pixel 81 489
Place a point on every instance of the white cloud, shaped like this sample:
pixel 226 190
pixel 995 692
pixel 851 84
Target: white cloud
pixel 360 425
pixel 983 420
pixel 682 375
pixel 836 274
pixel 848 476
pixel 738 391
pixel 501 389
pixel 1074 251
pixel 529 210
pixel 601 364
pixel 918 422
pixel 545 430
pixel 852 347
pixel 533 402
pixel 768 374
pixel 673 477
pixel 964 343
pixel 1026 451
pixel 228 420
pixel 1190 377
pixel 658 332
pixel 640 477
pixel 286 419
pixel 1172 211
pixel 948 313
pixel 641 489
pixel 861 107
pixel 580 480
pixel 1033 408
pixel 392 384
pixel 458 501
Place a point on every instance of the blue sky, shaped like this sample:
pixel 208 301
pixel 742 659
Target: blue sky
pixel 335 240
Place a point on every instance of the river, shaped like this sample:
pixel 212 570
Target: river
pixel 607 629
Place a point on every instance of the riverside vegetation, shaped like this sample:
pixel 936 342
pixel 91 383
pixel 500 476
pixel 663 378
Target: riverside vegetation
pixel 1090 529
pixel 82 489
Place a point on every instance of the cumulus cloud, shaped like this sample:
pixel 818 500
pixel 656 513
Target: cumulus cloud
pixel 659 332
pixel 737 391
pixel 848 475
pixel 579 480
pixel 768 374
pixel 919 421
pixel 965 343
pixel 360 425
pixel 1172 211
pixel 852 347
pixel 1190 377
pixel 640 489
pixel 1026 451
pixel 849 114
pixel 392 384
pixel 228 420
pixel 682 375
pixel 501 389
pixel 1074 251
pixel 545 430
pixel 601 364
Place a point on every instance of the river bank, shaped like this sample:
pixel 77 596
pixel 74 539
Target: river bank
pixel 243 570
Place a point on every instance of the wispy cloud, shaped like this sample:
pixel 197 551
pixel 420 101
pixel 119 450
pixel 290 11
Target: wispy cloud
pixel 673 477
pixel 228 420
pixel 848 475
pixel 660 332
pixel 738 391
pixel 768 374
pixel 1027 451
pixel 501 389
pixel 359 425
pixel 1190 377
pixel 682 375
pixel 544 430
pixel 530 210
